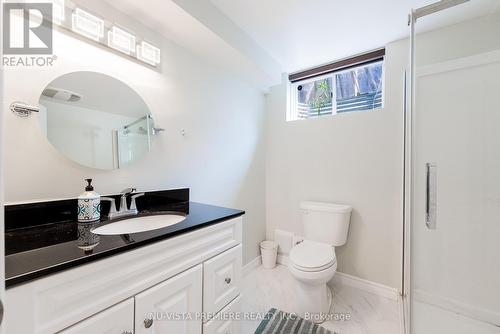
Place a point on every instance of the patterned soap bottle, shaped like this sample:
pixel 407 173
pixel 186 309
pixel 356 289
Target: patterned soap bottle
pixel 89 204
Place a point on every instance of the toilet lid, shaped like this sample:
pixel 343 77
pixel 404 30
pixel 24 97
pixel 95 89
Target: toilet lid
pixel 312 256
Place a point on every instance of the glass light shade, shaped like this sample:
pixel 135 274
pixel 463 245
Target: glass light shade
pixel 121 40
pixel 58 11
pixel 148 53
pixel 87 24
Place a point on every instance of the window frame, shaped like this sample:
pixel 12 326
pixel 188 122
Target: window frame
pixel 346 65
pixel 293 111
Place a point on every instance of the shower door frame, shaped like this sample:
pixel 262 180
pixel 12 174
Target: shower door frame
pixel 409 153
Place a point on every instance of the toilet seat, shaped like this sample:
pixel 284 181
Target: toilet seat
pixel 312 256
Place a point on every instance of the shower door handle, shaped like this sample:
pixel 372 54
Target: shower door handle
pixel 430 195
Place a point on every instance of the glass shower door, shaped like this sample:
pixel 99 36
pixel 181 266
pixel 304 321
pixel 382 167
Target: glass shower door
pixel 455 213
pixel 132 141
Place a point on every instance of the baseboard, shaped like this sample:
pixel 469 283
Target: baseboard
pixel 365 285
pixel 356 282
pixel 247 268
pixel 458 307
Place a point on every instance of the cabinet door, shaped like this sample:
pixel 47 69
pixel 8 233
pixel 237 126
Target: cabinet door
pixel 227 321
pixel 221 280
pixel 173 306
pixel 118 319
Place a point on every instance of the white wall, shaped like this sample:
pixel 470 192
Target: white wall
pixel 353 158
pixel 357 158
pixel 221 158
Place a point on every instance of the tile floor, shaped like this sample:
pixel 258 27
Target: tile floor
pixel 370 314
pixel 430 319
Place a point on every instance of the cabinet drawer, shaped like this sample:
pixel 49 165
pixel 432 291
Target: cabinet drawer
pixel 116 319
pixel 221 280
pixel 227 321
pixel 171 306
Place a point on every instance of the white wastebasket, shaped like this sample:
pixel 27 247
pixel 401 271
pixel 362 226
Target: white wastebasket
pixel 269 252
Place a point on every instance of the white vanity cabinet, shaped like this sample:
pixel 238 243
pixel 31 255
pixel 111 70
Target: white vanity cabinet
pixel 137 290
pixel 117 319
pixel 173 306
pixel 221 280
pixel 226 321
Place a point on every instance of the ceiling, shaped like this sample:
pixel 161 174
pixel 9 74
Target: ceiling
pixel 261 39
pixel 301 34
pixel 202 29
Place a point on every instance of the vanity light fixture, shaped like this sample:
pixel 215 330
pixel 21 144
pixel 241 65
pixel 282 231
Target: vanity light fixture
pixel 58 12
pixel 121 40
pixel 87 24
pixel 148 53
pixel 104 32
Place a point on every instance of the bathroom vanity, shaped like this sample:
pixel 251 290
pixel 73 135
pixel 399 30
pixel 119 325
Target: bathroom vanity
pixel 184 278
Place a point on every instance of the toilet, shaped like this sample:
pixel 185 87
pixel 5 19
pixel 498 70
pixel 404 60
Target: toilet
pixel 313 262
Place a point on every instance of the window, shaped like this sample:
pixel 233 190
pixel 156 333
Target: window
pixel 350 85
pixel 314 98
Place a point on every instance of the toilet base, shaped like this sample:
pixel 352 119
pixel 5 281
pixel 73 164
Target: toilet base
pixel 314 301
pixel 314 298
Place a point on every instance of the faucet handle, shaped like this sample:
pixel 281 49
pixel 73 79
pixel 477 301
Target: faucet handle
pixel 133 206
pixel 128 191
pixel 112 203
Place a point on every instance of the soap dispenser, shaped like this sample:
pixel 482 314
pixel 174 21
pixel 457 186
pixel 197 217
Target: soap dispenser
pixel 89 204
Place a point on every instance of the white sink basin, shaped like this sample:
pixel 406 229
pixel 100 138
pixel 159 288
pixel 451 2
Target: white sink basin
pixel 139 224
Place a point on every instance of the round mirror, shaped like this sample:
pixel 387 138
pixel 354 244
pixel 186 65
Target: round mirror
pixel 96 120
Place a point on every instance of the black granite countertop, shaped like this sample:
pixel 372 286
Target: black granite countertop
pixel 37 251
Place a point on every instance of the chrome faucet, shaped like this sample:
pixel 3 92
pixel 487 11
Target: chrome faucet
pixel 123 210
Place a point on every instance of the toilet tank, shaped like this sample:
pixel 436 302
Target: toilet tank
pixel 326 222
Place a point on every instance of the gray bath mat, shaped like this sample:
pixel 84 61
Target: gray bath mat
pixel 279 322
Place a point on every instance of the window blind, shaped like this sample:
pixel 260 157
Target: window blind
pixel 362 59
